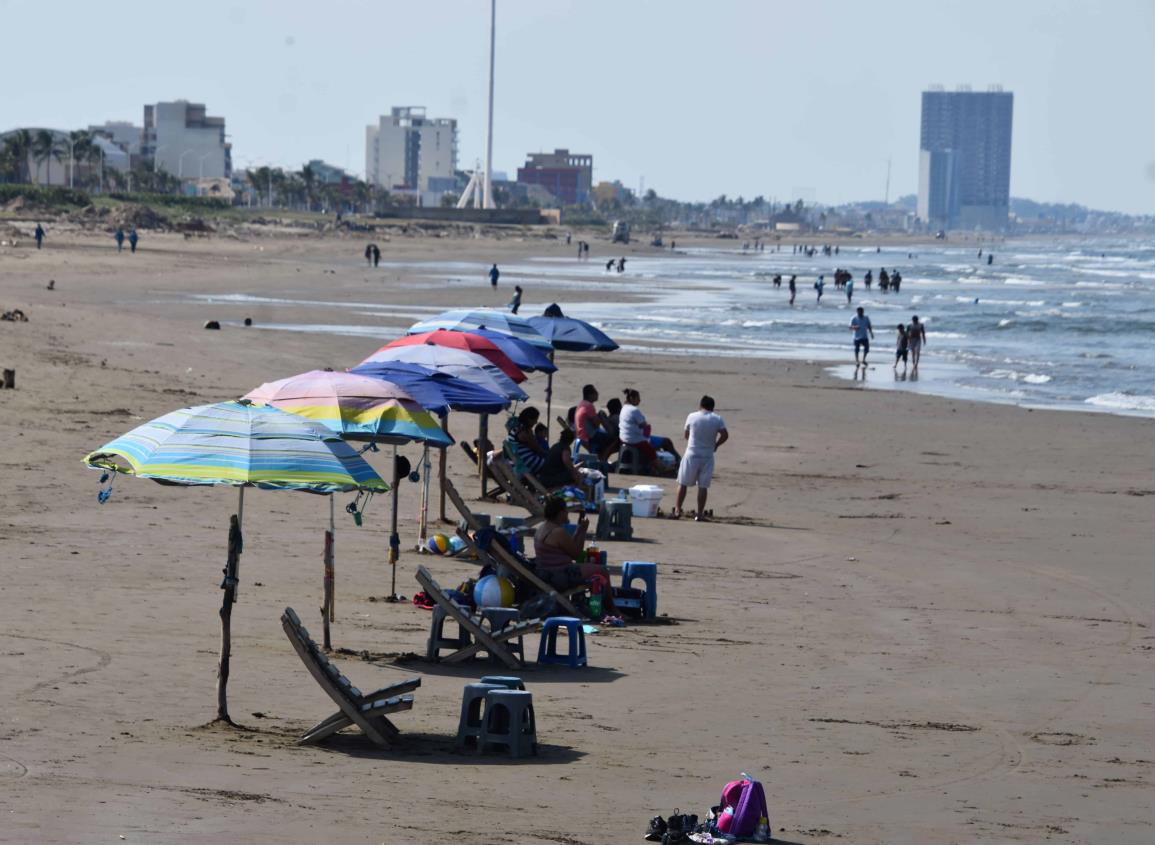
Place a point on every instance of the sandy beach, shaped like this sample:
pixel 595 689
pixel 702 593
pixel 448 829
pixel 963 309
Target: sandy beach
pixel 915 619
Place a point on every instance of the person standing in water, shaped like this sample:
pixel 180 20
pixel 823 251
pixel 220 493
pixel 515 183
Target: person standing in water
pixel 793 288
pixel 818 286
pixel 515 303
pixel 916 338
pixel 900 348
pixel 863 334
pixel 849 288
pixel 494 275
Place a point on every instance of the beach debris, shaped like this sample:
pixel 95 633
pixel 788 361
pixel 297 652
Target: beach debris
pixel 212 324
pixel 14 316
pixel 8 380
pixel 51 284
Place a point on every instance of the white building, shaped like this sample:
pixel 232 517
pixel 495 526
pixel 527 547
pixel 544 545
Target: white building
pixel 406 152
pixel 181 139
pixel 124 134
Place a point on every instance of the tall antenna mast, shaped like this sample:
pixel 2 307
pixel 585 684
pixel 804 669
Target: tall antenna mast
pixel 488 187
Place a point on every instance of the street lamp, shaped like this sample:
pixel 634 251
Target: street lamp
pixel 156 158
pixel 71 161
pixel 202 164
pixel 180 164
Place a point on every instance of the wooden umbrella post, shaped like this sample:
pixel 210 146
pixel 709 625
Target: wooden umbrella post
pixel 482 440
pixel 332 603
pixel 327 600
pixel 394 539
pixel 549 401
pixel 441 459
pixel 229 585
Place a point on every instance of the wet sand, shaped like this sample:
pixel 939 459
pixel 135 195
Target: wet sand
pixel 915 619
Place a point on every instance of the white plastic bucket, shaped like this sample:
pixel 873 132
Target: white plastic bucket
pixel 645 499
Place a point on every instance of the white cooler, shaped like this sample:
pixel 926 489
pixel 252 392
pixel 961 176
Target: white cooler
pixel 645 499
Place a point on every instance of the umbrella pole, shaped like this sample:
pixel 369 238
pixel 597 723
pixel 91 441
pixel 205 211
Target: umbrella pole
pixel 327 600
pixel 424 526
pixel 482 437
pixel 441 459
pixel 332 603
pixel 549 401
pixel 394 539
pixel 229 585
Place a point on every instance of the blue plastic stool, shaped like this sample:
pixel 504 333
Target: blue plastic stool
pixel 547 651
pixel 507 681
pixel 648 573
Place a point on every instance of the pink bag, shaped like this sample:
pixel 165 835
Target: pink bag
pixel 743 804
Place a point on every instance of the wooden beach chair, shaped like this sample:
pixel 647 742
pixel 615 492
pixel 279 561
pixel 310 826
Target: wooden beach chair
pixel 367 712
pixel 504 556
pixel 519 494
pixel 493 642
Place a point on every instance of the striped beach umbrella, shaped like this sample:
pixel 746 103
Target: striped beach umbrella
pixel 354 406
pixel 436 391
pixel 468 341
pixel 239 445
pixel 526 356
pixel 468 319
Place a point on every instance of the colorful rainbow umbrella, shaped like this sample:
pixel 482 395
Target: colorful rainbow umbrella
pixel 354 406
pixel 456 362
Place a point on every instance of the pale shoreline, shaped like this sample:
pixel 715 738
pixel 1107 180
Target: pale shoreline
pixel 920 619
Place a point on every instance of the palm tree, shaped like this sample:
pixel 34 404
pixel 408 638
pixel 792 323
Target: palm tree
pixel 308 177
pixel 78 149
pixel 17 148
pixel 44 149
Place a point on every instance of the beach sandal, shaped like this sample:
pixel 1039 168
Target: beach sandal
pixel 656 830
pixel 675 514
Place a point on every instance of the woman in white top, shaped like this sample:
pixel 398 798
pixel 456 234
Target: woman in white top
pixel 634 431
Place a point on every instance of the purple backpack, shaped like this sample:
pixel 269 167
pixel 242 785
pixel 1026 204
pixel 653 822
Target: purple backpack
pixel 743 804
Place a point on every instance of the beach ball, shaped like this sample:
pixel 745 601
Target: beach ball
pixel 493 591
pixel 438 544
pixel 456 545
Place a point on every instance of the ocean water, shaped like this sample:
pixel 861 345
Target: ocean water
pixel 1059 323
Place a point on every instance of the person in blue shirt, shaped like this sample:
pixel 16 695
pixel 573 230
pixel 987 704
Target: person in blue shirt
pixel 863 334
pixel 494 275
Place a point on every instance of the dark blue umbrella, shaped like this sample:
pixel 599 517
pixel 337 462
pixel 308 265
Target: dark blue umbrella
pixel 573 335
pixel 436 391
pixel 527 356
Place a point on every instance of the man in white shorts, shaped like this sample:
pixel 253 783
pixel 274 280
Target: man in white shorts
pixel 704 432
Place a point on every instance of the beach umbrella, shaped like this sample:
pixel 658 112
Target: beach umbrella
pixel 468 319
pixel 526 356
pixel 357 408
pixel 434 390
pixel 440 392
pixel 468 341
pixel 572 335
pixel 239 445
pixel 455 362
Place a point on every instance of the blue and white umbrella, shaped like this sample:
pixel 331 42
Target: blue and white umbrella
pixel 470 319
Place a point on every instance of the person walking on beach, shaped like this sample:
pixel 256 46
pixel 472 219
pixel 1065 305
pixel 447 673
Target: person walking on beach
pixel 133 239
pixel 819 285
pixel 863 334
pixel 515 303
pixel 119 239
pixel 369 254
pixel 849 288
pixel 622 264
pixel 883 280
pixel 895 281
pixel 704 432
pixel 609 265
pixel 900 348
pixel 494 275
pixel 39 235
pixel 916 338
pixel 793 288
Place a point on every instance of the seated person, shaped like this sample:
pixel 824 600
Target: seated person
pixel 523 443
pixel 557 552
pixel 558 470
pixel 634 431
pixel 611 422
pixel 587 425
pixel 541 435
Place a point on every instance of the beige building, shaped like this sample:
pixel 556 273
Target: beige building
pixel 407 152
pixel 180 138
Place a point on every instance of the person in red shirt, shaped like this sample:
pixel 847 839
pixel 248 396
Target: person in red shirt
pixel 587 426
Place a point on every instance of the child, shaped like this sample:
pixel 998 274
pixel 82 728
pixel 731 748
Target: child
pixel 900 348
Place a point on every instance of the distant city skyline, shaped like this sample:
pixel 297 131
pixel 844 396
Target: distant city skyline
pixel 696 100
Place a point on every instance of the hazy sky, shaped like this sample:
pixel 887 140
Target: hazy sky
pixel 698 98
